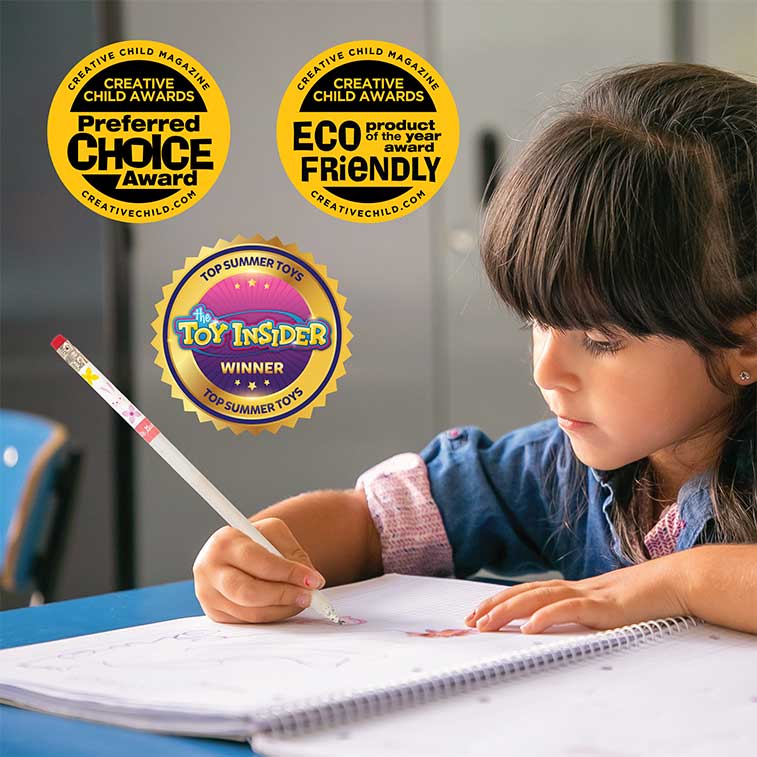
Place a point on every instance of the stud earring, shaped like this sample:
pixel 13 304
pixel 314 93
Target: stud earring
pixel 744 376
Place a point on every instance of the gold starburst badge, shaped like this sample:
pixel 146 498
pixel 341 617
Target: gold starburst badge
pixel 251 357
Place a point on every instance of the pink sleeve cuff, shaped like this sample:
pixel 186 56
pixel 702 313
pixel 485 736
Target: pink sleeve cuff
pixel 413 539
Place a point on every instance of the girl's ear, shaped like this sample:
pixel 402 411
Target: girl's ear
pixel 742 361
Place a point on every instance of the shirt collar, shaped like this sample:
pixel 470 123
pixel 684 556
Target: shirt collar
pixel 694 504
pixel 609 478
pixel 601 476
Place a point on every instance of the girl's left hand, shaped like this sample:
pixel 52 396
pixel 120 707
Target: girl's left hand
pixel 653 589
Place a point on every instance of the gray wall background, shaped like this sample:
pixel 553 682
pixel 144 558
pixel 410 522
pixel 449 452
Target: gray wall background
pixel 53 272
pixel 384 403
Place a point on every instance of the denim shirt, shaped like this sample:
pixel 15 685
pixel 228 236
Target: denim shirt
pixel 497 503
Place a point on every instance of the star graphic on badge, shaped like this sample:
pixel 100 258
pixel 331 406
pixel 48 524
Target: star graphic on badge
pixel 236 286
pixel 267 382
pixel 267 285
pixel 89 377
pixel 251 385
pixel 236 383
pixel 251 283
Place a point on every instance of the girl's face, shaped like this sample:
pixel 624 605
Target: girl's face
pixel 637 397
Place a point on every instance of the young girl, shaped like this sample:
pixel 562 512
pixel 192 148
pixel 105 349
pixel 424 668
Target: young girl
pixel 625 238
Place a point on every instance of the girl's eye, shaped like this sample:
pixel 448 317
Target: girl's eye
pixel 596 347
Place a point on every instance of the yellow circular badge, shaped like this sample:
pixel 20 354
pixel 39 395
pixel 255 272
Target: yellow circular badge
pixel 368 131
pixel 138 131
pixel 251 335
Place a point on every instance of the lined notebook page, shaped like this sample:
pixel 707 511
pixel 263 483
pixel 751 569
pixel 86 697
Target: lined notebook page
pixel 689 695
pixel 196 676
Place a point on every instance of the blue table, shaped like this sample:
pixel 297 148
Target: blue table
pixel 23 732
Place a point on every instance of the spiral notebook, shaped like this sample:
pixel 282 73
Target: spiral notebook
pixel 405 645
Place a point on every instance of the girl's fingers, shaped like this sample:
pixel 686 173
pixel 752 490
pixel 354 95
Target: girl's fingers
pixel 279 534
pixel 221 617
pixel 573 610
pixel 217 606
pixel 503 596
pixel 522 605
pixel 210 599
pixel 254 559
pixel 245 590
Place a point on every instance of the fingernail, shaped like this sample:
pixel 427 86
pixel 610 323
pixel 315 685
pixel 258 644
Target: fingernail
pixel 526 626
pixel 312 580
pixel 470 615
pixel 303 600
pixel 482 621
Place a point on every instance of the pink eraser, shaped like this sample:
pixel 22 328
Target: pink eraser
pixel 57 341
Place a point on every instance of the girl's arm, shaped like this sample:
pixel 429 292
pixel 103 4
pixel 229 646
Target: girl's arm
pixel 716 582
pixel 720 583
pixel 336 531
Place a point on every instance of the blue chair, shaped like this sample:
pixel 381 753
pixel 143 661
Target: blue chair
pixel 38 472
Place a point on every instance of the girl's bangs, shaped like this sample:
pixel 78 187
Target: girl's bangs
pixel 573 233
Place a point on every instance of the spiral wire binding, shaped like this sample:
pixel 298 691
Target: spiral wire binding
pixel 346 707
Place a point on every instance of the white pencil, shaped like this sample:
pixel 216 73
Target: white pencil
pixel 149 432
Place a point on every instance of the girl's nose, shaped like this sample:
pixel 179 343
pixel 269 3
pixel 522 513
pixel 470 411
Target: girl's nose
pixel 554 360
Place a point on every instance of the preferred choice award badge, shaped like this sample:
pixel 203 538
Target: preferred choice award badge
pixel 138 131
pixel 251 335
pixel 367 131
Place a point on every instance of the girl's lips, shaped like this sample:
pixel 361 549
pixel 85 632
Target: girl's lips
pixel 572 425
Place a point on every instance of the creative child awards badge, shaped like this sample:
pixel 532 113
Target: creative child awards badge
pixel 138 131
pixel 251 335
pixel 368 131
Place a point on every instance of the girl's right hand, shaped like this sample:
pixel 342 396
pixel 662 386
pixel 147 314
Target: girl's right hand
pixel 239 581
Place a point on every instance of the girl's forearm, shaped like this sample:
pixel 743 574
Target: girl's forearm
pixel 335 528
pixel 719 584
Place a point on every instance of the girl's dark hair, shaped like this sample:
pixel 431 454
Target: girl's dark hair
pixel 636 209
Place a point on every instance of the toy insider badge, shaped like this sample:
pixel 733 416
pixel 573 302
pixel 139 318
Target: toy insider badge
pixel 251 335
pixel 138 131
pixel 367 131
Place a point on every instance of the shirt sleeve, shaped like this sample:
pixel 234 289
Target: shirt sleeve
pixel 466 503
pixel 494 497
pixel 413 540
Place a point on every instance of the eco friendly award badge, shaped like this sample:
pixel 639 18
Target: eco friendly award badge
pixel 368 131
pixel 251 335
pixel 138 131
